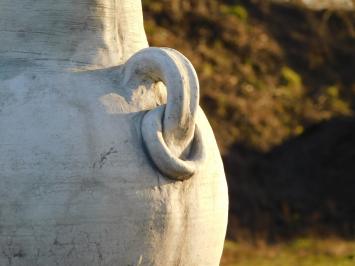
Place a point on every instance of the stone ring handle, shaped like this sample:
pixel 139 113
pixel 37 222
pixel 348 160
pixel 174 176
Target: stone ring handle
pixel 169 132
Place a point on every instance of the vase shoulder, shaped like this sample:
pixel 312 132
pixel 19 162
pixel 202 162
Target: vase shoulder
pixel 77 176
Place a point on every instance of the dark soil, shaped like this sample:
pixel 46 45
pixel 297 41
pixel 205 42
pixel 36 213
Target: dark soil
pixel 304 186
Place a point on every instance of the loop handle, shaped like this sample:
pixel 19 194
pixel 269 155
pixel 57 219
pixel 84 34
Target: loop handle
pixel 168 131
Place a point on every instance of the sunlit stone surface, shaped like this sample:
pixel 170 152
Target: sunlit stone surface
pixel 92 170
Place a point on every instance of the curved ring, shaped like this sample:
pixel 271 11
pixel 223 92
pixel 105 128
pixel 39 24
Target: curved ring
pixel 169 164
pixel 168 131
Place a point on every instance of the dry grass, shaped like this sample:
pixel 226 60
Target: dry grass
pixel 300 252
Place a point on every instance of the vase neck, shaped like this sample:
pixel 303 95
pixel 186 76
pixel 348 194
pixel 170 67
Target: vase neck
pixel 79 32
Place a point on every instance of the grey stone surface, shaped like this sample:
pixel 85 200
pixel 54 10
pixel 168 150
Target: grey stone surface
pixel 95 168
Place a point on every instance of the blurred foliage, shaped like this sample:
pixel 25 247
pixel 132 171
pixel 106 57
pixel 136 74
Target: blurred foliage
pixel 236 10
pixel 264 76
pixel 278 86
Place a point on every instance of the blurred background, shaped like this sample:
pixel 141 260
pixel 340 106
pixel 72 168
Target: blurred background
pixel 278 85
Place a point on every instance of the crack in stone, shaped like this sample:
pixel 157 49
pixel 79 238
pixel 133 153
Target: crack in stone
pixel 103 158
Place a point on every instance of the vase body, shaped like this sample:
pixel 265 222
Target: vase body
pixel 78 186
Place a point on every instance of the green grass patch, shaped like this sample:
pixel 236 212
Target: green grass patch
pixel 238 11
pixel 300 252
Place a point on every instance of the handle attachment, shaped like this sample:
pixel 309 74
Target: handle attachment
pixel 169 132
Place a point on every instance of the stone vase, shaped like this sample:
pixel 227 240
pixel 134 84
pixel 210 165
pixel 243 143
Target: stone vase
pixel 105 156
